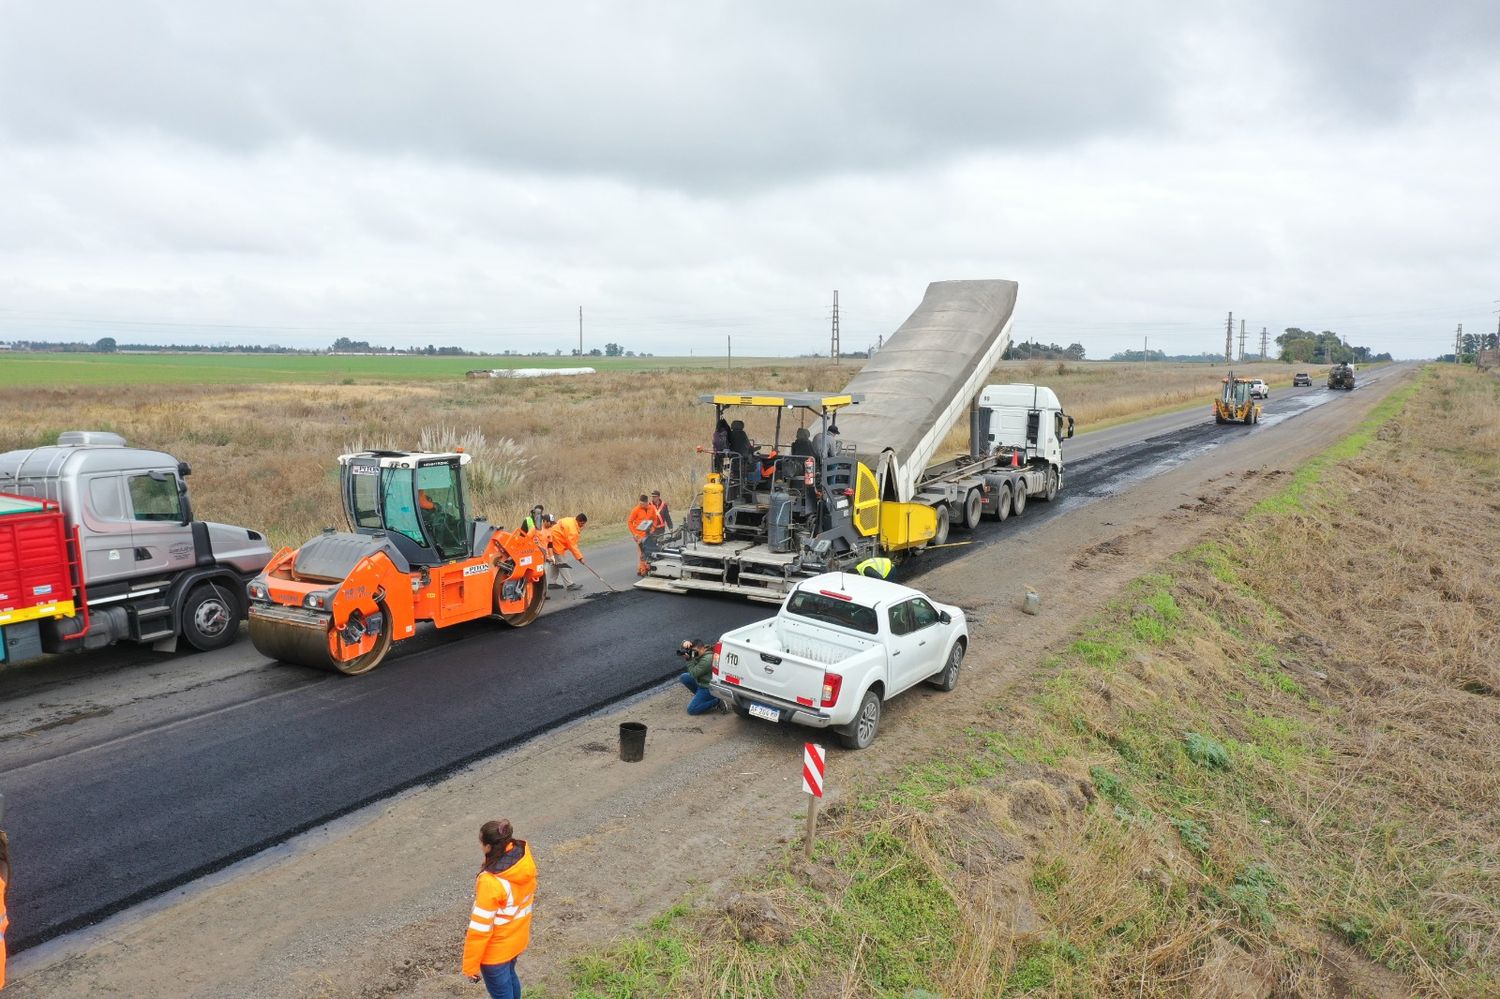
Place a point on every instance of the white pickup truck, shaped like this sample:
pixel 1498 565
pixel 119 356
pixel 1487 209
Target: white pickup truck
pixel 840 646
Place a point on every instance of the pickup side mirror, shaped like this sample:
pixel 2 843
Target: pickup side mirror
pixel 945 617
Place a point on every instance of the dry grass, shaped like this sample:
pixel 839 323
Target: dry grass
pixel 1272 772
pixel 263 455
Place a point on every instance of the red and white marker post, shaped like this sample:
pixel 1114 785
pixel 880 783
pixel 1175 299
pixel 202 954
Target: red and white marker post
pixel 814 759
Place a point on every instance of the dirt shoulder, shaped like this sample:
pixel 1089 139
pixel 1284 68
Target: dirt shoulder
pixel 376 904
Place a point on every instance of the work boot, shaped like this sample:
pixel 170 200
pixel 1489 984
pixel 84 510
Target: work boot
pixel 721 708
pixel 575 586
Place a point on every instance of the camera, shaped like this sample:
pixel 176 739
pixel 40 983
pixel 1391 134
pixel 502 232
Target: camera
pixel 685 653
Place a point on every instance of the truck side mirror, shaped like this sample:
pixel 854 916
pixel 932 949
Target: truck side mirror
pixel 1070 426
pixel 184 504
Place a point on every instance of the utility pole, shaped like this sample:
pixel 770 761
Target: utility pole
pixel 1229 338
pixel 833 346
pixel 1458 343
pixel 879 342
pixel 580 331
pixel 1145 348
pixel 1242 340
pixel 1263 347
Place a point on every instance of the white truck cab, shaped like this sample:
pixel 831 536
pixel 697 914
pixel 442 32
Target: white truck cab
pixel 1028 418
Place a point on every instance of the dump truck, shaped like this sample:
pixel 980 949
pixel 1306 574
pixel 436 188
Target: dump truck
pixel 412 553
pixel 1341 376
pixel 98 544
pixel 1236 401
pixel 866 477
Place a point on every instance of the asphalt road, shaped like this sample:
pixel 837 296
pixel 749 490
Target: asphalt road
pixel 161 770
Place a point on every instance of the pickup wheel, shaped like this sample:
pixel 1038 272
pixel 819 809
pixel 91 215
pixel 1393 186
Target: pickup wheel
pixel 1018 501
pixel 210 617
pixel 948 678
pixel 859 733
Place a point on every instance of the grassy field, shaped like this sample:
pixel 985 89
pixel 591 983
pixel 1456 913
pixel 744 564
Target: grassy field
pixel 59 370
pixel 1235 782
pixel 263 453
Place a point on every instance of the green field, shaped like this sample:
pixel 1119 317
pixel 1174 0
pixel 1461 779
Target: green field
pixel 46 370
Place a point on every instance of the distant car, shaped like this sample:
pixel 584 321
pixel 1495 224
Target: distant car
pixel 1259 389
pixel 1301 378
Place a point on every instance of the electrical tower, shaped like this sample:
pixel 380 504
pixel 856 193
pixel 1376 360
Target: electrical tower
pixel 1458 344
pixel 1263 347
pixel 1242 339
pixel 1229 338
pixel 833 346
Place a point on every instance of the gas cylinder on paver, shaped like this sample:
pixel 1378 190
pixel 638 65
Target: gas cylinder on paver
pixel 778 520
pixel 713 509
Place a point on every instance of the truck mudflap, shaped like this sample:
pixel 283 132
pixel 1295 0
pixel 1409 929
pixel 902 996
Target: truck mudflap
pixel 753 704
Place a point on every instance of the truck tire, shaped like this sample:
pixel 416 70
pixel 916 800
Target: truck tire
pixel 1051 492
pixel 1018 499
pixel 948 678
pixel 1002 507
pixel 859 733
pixel 210 616
pixel 941 537
pixel 973 509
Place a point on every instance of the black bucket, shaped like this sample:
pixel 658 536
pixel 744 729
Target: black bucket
pixel 632 741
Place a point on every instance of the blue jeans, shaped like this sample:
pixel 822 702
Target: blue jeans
pixel 501 980
pixel 703 702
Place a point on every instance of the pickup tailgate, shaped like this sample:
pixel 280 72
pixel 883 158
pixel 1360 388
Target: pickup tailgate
pixel 752 659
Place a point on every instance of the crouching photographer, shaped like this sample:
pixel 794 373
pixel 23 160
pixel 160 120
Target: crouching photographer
pixel 700 659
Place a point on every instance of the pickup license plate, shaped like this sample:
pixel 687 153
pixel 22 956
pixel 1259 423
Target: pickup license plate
pixel 761 711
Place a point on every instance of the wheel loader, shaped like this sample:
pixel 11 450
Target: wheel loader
pixel 412 554
pixel 1235 403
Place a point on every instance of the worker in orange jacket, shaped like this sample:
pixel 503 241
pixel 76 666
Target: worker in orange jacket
pixel 500 923
pixel 564 535
pixel 4 884
pixel 644 521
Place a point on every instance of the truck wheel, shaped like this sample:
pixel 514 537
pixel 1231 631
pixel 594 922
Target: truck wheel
pixel 941 537
pixel 1002 508
pixel 859 733
pixel 1051 492
pixel 948 678
pixel 973 509
pixel 1018 500
pixel 210 617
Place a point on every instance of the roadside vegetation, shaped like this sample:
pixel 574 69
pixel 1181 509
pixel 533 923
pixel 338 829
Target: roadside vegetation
pixel 263 455
pixel 1269 769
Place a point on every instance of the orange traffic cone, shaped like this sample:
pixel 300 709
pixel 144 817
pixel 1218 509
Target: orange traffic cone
pixel 1015 459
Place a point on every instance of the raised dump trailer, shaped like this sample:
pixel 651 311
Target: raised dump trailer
pixel 98 545
pixel 1341 376
pixel 861 477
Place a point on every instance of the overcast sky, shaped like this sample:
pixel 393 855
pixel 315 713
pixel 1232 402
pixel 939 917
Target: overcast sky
pixel 471 173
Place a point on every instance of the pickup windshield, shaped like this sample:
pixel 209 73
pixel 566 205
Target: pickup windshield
pixel 830 610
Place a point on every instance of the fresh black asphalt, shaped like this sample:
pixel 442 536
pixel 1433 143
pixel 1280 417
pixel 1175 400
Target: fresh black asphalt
pixel 100 828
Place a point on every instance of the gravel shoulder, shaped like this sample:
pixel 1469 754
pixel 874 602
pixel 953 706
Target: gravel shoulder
pixel 375 904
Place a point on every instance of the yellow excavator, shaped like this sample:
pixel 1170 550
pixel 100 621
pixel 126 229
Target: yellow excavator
pixel 1235 404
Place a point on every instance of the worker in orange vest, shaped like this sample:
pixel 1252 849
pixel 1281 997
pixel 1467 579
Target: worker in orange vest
pixel 4 884
pixel 500 923
pixel 644 521
pixel 564 535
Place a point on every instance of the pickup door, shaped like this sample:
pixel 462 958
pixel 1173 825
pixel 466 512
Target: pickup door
pixel 916 643
pixel 786 658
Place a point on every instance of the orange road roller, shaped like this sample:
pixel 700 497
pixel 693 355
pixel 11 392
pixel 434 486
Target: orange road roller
pixel 412 554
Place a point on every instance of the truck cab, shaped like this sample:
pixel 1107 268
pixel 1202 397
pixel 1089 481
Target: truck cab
pixel 1026 418
pixel 146 570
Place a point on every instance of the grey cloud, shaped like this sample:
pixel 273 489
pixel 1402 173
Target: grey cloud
pixel 676 94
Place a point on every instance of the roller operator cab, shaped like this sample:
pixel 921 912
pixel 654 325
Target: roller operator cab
pixel 413 553
pixel 98 544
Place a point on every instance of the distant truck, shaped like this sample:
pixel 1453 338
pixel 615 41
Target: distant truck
pixel 1341 376
pixel 840 647
pixel 98 545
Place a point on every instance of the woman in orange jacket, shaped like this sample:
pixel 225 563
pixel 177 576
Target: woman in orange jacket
pixel 500 923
